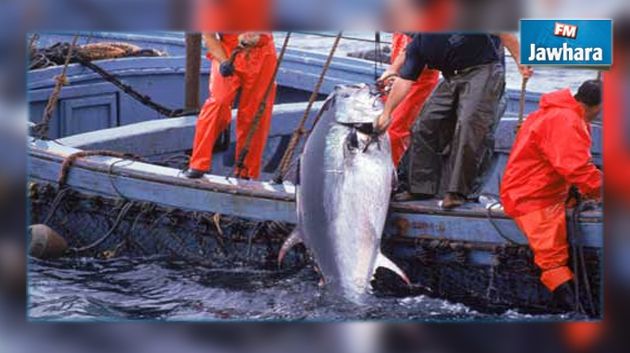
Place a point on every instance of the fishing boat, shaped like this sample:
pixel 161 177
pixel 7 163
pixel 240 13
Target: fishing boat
pixel 118 191
pixel 89 102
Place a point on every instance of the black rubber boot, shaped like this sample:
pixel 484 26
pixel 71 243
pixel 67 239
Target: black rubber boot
pixel 407 196
pixel 193 173
pixel 564 296
pixel 453 200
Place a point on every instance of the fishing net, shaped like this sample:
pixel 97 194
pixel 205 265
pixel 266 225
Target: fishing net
pixel 105 227
pixel 108 227
pixel 446 269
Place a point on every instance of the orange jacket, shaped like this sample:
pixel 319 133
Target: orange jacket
pixel 552 151
pixel 400 41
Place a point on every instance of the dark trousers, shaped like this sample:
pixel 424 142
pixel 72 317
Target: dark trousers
pixel 455 127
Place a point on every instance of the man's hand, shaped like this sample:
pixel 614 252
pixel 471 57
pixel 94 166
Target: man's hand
pixel 248 39
pixel 385 82
pixel 215 49
pixel 510 41
pixel 226 68
pixel 526 71
pixel 399 91
pixel 381 124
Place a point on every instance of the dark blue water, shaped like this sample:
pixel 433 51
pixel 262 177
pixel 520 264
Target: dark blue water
pixel 157 289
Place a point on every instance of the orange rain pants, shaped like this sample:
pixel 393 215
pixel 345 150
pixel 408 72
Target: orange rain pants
pixel 254 72
pixel 546 230
pixel 406 113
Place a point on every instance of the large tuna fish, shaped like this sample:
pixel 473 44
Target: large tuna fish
pixel 343 195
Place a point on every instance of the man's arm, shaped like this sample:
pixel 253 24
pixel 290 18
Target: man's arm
pixel 567 146
pixel 399 91
pixel 411 67
pixel 214 47
pixel 511 43
pixel 394 67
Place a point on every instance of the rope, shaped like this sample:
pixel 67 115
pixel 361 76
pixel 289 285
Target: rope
pixel 307 133
pixel 63 176
pixel 579 262
pixel 521 105
pixel 358 39
pixel 67 163
pixel 123 211
pixel 240 162
pixel 377 53
pixel 74 54
pixel 32 41
pixel 576 282
pixel 110 176
pixel 297 134
pixel 55 204
pixel 490 217
pixel 41 128
pixel 143 99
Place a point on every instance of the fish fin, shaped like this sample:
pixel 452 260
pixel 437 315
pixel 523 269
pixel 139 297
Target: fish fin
pixel 383 261
pixel 292 240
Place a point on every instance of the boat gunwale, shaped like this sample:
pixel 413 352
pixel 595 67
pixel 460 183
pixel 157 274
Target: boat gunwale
pixel 256 189
pixel 103 164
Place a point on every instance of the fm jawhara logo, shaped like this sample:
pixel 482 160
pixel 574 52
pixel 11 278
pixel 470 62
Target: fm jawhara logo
pixel 566 42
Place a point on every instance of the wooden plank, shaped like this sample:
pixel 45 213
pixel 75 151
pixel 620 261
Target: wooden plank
pixel 193 70
pixel 171 135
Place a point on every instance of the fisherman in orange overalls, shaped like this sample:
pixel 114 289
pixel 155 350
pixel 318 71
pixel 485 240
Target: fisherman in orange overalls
pixel 251 71
pixel 551 153
pixel 409 109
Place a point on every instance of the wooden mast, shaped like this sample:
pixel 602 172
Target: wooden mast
pixel 193 70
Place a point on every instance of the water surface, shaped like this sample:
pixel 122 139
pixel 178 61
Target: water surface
pixel 160 289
